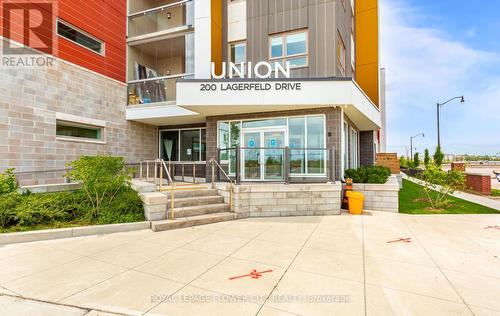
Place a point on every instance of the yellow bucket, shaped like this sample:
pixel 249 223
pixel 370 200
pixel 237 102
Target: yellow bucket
pixel 356 201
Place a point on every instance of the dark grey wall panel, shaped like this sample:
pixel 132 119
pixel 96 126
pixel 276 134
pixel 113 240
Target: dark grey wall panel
pixel 322 18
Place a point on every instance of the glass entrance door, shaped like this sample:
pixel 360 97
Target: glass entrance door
pixel 263 155
pixel 274 143
pixel 251 156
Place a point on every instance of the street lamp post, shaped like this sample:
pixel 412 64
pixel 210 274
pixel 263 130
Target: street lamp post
pixel 438 107
pixel 411 143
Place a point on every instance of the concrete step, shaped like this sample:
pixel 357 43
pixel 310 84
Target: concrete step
pixel 197 200
pixel 199 210
pixel 182 222
pixel 191 192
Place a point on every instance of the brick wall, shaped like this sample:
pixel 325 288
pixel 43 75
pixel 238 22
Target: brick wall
pixel 478 182
pixel 332 128
pixel 366 148
pixel 29 100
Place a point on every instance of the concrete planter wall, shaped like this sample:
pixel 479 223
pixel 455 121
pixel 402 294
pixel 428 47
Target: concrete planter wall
pixel 256 200
pixel 380 197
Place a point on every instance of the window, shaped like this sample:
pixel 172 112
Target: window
pixel 183 144
pixel 237 52
pixel 79 37
pixel 289 47
pixel 354 149
pixel 340 54
pixel 346 146
pixel 78 131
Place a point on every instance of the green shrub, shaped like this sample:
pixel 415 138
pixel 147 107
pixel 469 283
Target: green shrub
pixel 438 157
pixel 369 174
pixel 403 162
pixel 8 182
pixel 416 160
pixel 126 207
pixel 438 184
pixel 8 203
pixel 427 158
pixel 47 208
pixel 102 177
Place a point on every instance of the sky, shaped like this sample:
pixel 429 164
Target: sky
pixel 434 50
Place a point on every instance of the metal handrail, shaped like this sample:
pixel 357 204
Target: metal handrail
pixel 231 187
pixel 160 8
pixel 159 78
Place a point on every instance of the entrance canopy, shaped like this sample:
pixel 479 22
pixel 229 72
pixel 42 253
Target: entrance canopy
pixel 238 96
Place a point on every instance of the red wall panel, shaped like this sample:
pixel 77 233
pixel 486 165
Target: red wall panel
pixel 105 20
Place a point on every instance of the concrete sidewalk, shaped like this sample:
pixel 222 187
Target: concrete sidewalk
pixel 332 265
pixel 481 200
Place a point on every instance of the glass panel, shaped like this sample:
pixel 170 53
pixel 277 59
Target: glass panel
pixel 169 145
pixel 189 53
pixel 235 141
pixel 190 145
pixel 276 46
pixel 161 20
pixel 297 62
pixel 296 43
pixel 297 139
pixel 238 53
pixel 152 91
pixel 315 139
pixel 265 123
pixel 203 144
pixel 273 158
pixel 251 156
pixel 78 37
pixel 224 139
pixel 346 146
pixel 68 129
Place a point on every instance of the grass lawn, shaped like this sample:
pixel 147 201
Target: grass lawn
pixel 409 203
pixel 495 192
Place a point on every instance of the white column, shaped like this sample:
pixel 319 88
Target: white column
pixel 202 39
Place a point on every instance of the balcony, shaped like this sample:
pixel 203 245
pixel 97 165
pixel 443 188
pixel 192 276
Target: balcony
pixel 154 67
pixel 166 17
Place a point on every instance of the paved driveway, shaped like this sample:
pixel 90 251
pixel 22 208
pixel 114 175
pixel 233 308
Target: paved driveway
pixel 338 265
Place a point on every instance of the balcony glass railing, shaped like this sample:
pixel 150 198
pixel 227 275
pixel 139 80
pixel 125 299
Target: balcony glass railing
pixel 153 90
pixel 162 18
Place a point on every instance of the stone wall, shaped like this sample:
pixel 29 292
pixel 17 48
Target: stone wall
pixel 30 100
pixel 380 197
pixel 256 200
pixel 367 148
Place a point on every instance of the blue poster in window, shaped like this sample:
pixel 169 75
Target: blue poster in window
pixel 251 143
pixel 272 142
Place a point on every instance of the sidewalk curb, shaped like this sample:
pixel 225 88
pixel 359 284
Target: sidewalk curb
pixel 46 234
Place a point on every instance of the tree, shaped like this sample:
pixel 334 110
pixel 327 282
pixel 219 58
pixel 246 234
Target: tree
pixel 438 184
pixel 101 177
pixel 416 160
pixel 427 158
pixel 403 163
pixel 438 157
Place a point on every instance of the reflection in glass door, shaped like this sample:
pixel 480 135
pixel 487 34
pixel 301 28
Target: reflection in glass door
pixel 251 156
pixel 273 163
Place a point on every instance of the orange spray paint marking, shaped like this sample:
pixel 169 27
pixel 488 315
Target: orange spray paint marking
pixel 253 274
pixel 400 239
pixel 494 227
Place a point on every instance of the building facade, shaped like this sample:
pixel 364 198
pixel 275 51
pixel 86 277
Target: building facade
pixel 272 89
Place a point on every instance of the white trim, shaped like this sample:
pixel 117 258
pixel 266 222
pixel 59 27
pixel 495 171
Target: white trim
pixel 342 144
pixel 80 120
